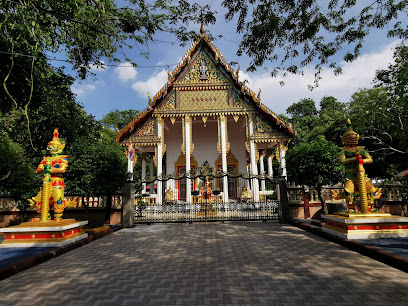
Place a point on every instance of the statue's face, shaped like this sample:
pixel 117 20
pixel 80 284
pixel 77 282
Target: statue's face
pixel 351 139
pixel 55 148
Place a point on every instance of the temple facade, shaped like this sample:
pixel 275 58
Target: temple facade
pixel 204 115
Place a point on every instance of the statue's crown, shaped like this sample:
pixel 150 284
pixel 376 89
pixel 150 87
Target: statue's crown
pixel 55 146
pixel 55 139
pixel 349 129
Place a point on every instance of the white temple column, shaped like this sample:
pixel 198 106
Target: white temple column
pixel 282 153
pixel 223 120
pixel 270 168
pixel 188 159
pixel 151 173
pixel 159 163
pixel 262 170
pixel 254 168
pixel 144 172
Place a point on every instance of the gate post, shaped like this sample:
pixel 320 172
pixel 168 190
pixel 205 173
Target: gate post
pixel 128 204
pixel 284 211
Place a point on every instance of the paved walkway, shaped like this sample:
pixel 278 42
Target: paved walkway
pixel 213 263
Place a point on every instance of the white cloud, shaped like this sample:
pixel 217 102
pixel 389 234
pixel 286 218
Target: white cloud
pixel 82 89
pixel 356 75
pixel 126 71
pixel 100 67
pixel 152 85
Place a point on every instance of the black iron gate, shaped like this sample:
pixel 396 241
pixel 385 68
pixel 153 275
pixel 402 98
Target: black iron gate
pixel 186 212
pixel 206 202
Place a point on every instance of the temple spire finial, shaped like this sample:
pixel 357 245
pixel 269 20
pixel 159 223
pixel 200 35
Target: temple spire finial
pixel 202 29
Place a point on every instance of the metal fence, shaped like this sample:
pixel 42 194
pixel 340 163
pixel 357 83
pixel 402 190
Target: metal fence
pixel 199 196
pixel 185 212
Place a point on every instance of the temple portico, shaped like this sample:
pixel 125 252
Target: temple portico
pixel 204 116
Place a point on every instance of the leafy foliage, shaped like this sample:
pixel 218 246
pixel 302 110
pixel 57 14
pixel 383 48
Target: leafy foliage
pixel 314 163
pixel 380 115
pixel 17 177
pixel 310 122
pixel 294 34
pixel 117 118
pixel 85 31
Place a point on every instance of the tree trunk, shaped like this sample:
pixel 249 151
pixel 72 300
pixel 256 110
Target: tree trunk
pixel 321 199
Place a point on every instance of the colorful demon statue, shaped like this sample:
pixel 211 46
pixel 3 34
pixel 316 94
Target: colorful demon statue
pixel 357 184
pixel 52 192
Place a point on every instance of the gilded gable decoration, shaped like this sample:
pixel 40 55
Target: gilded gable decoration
pixel 263 131
pixel 237 101
pixel 146 130
pixel 203 70
pixel 169 103
pixel 203 99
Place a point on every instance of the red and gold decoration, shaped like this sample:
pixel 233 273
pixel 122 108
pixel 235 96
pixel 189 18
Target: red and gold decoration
pixel 43 234
pixel 52 192
pixel 43 231
pixel 362 221
pixel 358 188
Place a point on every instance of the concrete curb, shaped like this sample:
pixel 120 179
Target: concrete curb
pixel 383 256
pixel 32 261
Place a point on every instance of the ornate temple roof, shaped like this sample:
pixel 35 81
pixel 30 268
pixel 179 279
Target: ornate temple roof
pixel 178 70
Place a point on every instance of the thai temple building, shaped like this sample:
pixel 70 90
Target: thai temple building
pixel 205 116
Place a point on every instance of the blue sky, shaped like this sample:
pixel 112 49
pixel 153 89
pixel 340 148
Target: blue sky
pixel 126 87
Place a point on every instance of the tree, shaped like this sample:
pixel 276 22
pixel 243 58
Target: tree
pixel 304 114
pixel 17 177
pixel 332 116
pixel 379 114
pixel 295 34
pixel 85 31
pixel 315 164
pixel 117 118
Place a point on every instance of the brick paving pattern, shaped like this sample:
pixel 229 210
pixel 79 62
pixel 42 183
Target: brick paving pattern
pixel 250 263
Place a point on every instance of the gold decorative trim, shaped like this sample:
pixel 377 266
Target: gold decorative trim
pixel 223 118
pixel 146 130
pixel 180 162
pixel 160 121
pixel 210 112
pixel 203 69
pixel 231 161
pixel 155 155
pixel 187 119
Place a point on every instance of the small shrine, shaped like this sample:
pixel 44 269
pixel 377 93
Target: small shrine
pixel 362 220
pixel 205 116
pixel 43 231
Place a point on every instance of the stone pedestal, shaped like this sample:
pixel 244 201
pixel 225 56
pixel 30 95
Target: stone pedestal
pixel 43 234
pixel 128 205
pixel 366 226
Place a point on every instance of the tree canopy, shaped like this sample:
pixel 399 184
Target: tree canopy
pixel 294 34
pixel 117 118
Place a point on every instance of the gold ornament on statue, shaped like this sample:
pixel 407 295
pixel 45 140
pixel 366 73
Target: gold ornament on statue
pixel 357 185
pixel 52 192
